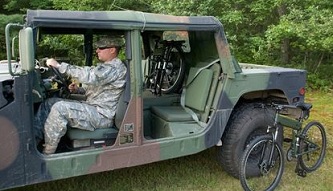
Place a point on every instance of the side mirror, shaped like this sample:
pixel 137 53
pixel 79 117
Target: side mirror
pixel 26 47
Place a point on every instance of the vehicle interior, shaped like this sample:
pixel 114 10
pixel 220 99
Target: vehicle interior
pixel 182 112
pixel 186 111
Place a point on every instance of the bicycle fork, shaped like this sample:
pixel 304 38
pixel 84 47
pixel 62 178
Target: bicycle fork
pixel 266 165
pixel 298 169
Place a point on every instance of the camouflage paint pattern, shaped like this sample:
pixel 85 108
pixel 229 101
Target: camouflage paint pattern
pixel 10 143
pixel 234 82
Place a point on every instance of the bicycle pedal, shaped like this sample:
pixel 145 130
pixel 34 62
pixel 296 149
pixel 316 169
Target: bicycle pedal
pixel 301 173
pixel 287 140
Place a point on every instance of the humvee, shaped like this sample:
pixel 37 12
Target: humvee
pixel 218 109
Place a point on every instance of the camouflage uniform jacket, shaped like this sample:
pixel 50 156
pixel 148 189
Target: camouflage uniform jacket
pixel 103 83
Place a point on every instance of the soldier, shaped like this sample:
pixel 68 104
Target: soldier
pixel 103 87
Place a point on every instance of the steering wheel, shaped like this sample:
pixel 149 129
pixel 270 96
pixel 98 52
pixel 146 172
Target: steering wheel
pixel 64 91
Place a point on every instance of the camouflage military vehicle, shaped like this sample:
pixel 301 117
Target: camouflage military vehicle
pixel 218 109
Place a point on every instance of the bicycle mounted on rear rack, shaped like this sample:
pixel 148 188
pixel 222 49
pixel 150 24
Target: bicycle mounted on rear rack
pixel 166 67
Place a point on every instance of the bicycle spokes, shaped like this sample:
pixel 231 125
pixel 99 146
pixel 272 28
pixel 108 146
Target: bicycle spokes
pixel 312 146
pixel 262 165
pixel 167 69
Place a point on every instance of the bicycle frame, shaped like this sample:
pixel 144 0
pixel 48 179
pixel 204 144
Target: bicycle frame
pixel 296 126
pixel 161 71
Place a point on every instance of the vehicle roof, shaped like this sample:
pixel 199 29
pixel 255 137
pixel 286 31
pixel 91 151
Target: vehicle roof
pixel 119 20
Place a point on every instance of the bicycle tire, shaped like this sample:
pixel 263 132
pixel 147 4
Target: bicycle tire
pixel 175 72
pixel 312 138
pixel 253 168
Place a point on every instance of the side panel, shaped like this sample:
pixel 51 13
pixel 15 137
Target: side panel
pixel 15 113
pixel 12 137
pixel 287 81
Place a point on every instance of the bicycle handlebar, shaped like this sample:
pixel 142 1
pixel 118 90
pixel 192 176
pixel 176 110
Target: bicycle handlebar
pixel 303 106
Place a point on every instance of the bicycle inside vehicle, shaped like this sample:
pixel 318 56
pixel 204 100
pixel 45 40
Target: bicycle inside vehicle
pixel 262 163
pixel 166 67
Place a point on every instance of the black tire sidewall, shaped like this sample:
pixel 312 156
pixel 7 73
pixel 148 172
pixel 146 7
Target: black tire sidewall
pixel 245 125
pixel 177 85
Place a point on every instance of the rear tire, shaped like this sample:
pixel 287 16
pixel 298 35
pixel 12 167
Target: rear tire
pixel 246 123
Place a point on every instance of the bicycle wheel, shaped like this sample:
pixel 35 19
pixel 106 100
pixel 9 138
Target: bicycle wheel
pixel 312 146
pixel 174 72
pixel 256 170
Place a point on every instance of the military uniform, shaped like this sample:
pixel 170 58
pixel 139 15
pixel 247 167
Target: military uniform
pixel 103 87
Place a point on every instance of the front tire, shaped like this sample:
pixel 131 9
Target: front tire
pixel 258 170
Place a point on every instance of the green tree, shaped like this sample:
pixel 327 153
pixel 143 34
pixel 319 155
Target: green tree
pixel 268 31
pixel 280 32
pixel 99 5
pixel 4 19
pixel 20 6
pixel 309 28
pixel 245 21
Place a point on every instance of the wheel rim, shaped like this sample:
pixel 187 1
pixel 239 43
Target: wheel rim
pixel 174 71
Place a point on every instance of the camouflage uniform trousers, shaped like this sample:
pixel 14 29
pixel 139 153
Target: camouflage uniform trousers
pixel 55 114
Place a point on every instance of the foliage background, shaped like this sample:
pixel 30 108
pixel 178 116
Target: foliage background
pixel 289 33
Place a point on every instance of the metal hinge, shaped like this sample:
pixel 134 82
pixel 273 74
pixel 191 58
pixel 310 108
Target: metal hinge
pixel 29 146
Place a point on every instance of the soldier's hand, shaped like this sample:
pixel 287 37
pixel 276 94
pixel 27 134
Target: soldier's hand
pixel 73 87
pixel 52 62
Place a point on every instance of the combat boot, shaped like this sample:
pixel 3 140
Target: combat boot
pixel 49 149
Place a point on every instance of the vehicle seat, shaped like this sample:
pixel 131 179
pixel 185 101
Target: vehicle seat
pixel 195 98
pixel 199 94
pixel 102 136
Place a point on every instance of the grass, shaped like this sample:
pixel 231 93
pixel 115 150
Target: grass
pixel 201 171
